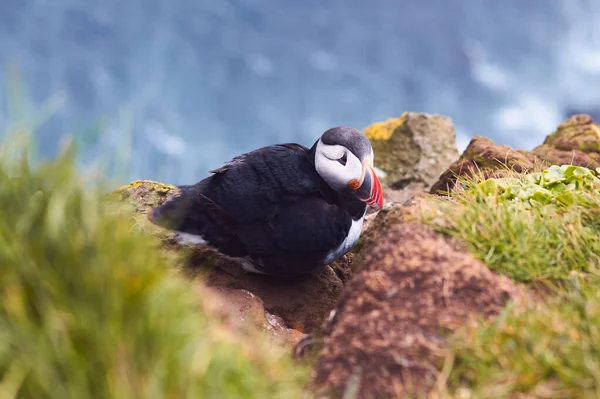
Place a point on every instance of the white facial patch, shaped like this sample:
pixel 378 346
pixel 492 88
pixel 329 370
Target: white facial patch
pixel 331 170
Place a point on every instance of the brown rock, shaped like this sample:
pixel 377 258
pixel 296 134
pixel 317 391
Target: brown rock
pixel 387 338
pixel 421 206
pixel 576 141
pixel 302 302
pixel 484 157
pixel 412 150
pixel 404 193
pixel 243 309
pixel 548 155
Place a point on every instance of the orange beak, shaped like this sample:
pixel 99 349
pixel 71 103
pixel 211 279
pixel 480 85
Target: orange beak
pixel 370 190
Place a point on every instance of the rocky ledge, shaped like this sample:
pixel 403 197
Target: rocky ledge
pixel 289 308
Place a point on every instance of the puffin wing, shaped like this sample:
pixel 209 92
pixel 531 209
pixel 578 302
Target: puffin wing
pixel 306 227
pixel 251 187
pixel 266 200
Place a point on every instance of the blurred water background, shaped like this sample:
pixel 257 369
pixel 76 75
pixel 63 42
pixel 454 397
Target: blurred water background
pixel 178 87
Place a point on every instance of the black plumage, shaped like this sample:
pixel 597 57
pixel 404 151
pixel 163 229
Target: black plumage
pixel 269 207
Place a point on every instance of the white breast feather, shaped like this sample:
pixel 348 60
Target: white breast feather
pixel 189 239
pixel 349 241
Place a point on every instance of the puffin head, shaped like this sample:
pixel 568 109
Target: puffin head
pixel 344 159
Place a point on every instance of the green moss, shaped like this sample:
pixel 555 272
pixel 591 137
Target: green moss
pixel 90 308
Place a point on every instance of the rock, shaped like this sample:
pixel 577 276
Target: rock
pixel 135 199
pixel 594 112
pixel 413 151
pixel 387 337
pixel 579 132
pixel 404 193
pixel 576 141
pixel 422 205
pixel 243 309
pixel 484 157
pixel 300 303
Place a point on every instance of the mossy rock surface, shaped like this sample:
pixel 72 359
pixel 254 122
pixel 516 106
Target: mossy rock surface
pixel 576 142
pixel 579 132
pixel 414 147
pixel 133 201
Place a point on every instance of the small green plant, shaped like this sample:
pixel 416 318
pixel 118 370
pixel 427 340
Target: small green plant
pixel 559 185
pixel 90 309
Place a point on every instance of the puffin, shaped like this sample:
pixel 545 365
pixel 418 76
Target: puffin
pixel 283 209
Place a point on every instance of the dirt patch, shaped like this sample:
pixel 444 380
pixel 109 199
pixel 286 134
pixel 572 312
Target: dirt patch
pixel 387 337
pixel 302 302
pixel 242 309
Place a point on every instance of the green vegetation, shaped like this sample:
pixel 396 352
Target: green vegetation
pixel 549 350
pixel 558 185
pixel 534 227
pixel 90 309
pixel 542 227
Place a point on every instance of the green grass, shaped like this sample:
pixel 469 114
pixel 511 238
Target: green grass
pixel 538 228
pixel 90 309
pixel 549 350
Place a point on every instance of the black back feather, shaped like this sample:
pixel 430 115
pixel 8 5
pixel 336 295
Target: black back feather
pixel 269 204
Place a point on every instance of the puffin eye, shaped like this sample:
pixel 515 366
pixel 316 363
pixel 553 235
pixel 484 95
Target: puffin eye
pixel 343 159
